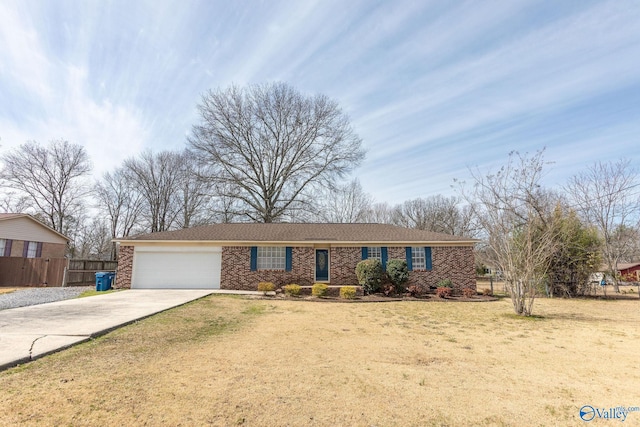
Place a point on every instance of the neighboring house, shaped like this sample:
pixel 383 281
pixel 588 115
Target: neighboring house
pixel 23 236
pixel 239 256
pixel 630 270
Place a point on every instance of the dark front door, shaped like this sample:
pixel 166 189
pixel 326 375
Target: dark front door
pixel 322 265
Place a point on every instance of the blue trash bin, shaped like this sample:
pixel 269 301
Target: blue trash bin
pixel 102 281
pixel 110 277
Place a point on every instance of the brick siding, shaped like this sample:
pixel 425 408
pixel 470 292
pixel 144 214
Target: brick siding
pixel 451 262
pixel 236 272
pixel 456 263
pixel 125 267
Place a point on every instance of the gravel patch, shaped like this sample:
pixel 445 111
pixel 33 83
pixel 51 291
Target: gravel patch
pixel 33 296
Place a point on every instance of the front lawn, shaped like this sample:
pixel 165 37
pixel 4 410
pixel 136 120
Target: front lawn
pixel 231 361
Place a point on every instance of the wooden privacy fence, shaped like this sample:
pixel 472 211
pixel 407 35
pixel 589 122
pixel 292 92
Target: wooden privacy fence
pixel 20 272
pixel 16 271
pixel 82 272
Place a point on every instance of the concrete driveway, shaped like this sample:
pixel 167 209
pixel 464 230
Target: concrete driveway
pixel 27 333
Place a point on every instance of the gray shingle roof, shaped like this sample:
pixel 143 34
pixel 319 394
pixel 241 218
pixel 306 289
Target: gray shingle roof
pixel 306 232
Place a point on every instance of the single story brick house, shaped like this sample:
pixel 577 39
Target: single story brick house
pixel 240 255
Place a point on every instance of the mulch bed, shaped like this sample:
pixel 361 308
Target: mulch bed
pixel 381 298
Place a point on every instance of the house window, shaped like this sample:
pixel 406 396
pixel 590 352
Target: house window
pixel 418 259
pixel 374 253
pixel 271 258
pixel 32 249
pixel 3 245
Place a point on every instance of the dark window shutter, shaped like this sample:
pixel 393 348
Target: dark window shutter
pixel 427 256
pixel 365 252
pixel 254 258
pixel 39 250
pixel 7 247
pixel 383 252
pixel 409 255
pixel 25 249
pixel 288 258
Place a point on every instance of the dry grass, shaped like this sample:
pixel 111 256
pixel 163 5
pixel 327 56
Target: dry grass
pixel 7 290
pixel 231 361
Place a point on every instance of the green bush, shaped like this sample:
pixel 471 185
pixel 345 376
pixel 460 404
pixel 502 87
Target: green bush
pixel 319 289
pixel 445 283
pixel 398 273
pixel 348 292
pixel 266 287
pixel 292 290
pixel 369 273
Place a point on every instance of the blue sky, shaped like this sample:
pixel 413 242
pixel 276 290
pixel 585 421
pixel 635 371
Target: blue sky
pixel 432 87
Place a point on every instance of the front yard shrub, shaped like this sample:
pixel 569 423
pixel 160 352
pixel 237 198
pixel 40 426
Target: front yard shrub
pixel 388 289
pixel 443 292
pixel 292 290
pixel 398 273
pixel 468 292
pixel 319 290
pixel 369 273
pixel 266 287
pixel 445 283
pixel 487 292
pixel 348 292
pixel 416 291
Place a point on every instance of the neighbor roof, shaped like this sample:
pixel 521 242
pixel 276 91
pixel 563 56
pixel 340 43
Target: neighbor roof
pixel 306 232
pixel 7 216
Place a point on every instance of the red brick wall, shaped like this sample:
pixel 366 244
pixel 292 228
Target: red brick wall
pixel 236 270
pixel 451 262
pixel 455 263
pixel 125 267
pixel 342 266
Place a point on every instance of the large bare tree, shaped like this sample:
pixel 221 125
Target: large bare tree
pixel 157 177
pixel 120 202
pixel 346 203
pixel 51 178
pixel 272 145
pixel 606 195
pixel 436 213
pixel 514 210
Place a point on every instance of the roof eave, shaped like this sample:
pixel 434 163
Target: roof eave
pixel 134 242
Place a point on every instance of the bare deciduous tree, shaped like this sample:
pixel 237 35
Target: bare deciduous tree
pixel 157 177
pixel 381 213
pixel 51 179
pixel 272 146
pixel 436 213
pixel 513 210
pixel 194 194
pixel 121 203
pixel 346 203
pixel 605 195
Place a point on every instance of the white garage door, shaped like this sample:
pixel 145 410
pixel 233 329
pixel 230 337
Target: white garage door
pixel 181 268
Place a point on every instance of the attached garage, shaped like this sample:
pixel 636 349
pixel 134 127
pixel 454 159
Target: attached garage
pixel 176 267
